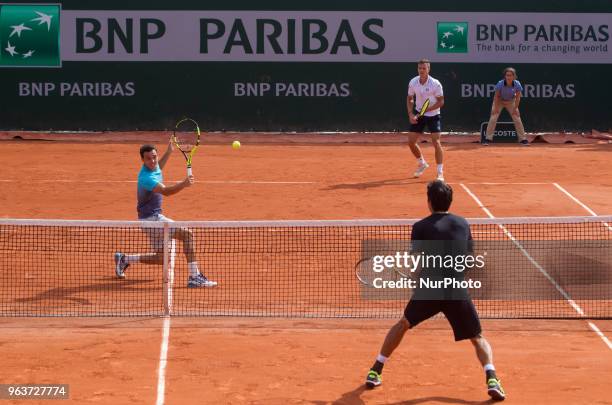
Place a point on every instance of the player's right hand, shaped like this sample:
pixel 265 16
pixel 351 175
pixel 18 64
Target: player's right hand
pixel 413 119
pixel 189 180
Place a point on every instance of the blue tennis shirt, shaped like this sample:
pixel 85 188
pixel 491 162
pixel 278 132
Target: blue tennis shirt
pixel 507 93
pixel 149 202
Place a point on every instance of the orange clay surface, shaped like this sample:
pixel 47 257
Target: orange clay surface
pixel 282 361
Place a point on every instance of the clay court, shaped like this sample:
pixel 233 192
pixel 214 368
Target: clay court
pixel 303 361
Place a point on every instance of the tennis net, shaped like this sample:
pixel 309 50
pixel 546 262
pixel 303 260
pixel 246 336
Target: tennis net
pixel 535 268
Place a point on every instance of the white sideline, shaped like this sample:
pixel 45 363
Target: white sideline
pixel 134 181
pixel 577 201
pixel 560 289
pixel 163 361
pixel 241 182
pixel 168 264
pixel 601 335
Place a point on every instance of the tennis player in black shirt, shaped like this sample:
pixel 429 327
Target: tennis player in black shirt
pixel 456 305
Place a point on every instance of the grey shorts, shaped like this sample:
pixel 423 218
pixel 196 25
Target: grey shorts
pixel 156 235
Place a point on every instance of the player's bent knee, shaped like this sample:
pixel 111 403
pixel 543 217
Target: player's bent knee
pixel 184 234
pixel 403 324
pixel 476 340
pixel 158 257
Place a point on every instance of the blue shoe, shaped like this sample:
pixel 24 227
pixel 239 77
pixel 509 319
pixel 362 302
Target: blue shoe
pixel 484 142
pixel 200 281
pixel 120 265
pixel 524 142
pixel 495 390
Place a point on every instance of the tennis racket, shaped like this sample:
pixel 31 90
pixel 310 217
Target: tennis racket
pixel 423 109
pixel 364 270
pixel 186 137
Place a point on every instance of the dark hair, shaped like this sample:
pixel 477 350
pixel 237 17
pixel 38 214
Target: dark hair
pixel 146 148
pixel 440 195
pixel 423 61
pixel 510 69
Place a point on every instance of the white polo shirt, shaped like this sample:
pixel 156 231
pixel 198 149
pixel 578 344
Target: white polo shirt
pixel 431 89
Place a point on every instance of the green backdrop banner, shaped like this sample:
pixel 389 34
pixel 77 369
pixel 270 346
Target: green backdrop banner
pixel 289 96
pixel 335 66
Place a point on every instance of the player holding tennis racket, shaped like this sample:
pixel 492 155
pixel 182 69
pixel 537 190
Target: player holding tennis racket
pixel 425 98
pixel 150 192
pixel 443 228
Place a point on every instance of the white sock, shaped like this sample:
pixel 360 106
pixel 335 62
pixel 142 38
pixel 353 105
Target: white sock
pixel 489 367
pixel 421 160
pixel 382 359
pixel 440 168
pixel 129 259
pixel 193 269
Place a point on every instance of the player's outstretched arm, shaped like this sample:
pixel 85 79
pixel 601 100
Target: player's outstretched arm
pixel 175 188
pixel 166 156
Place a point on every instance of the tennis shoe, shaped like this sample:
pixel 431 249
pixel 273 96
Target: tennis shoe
pixel 440 177
pixel 524 142
pixel 495 390
pixel 200 281
pixel 419 171
pixel 484 142
pixel 120 265
pixel 373 379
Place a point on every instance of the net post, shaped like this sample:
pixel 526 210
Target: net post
pixel 166 272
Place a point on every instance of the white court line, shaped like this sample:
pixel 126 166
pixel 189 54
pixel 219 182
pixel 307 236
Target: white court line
pixel 163 361
pixel 163 352
pixel 504 184
pixel 537 265
pixel 601 335
pixel 478 202
pixel 232 182
pixel 134 181
pixel 583 205
pixel 254 182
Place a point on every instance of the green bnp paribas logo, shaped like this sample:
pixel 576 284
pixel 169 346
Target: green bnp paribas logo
pixel 452 37
pixel 30 35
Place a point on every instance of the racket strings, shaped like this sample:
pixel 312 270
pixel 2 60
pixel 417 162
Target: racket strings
pixel 186 138
pixel 367 275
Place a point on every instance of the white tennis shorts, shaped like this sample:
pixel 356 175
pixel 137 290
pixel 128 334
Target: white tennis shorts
pixel 156 235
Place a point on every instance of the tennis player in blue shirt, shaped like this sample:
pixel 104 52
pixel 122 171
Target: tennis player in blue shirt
pixel 150 192
pixel 507 95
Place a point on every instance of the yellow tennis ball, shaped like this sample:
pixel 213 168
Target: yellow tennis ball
pixel 236 144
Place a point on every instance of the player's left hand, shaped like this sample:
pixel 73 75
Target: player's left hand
pixel 188 182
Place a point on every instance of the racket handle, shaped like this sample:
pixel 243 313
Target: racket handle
pixel 189 172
